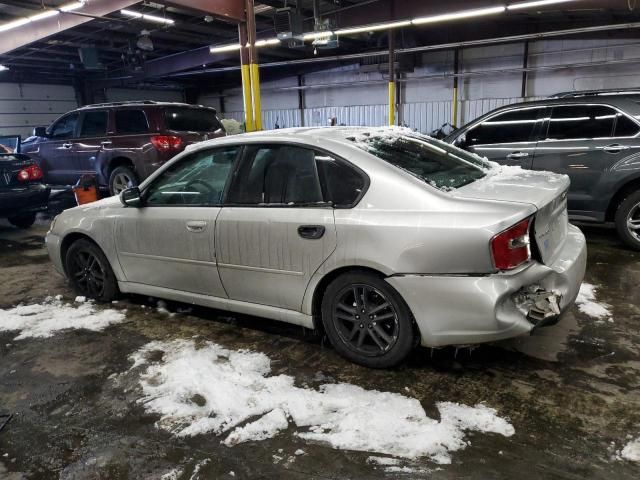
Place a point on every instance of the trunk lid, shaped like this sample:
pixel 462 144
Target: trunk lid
pixel 10 165
pixel 546 191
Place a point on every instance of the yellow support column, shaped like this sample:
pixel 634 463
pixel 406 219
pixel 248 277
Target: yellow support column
pixel 245 72
pixel 255 94
pixel 392 103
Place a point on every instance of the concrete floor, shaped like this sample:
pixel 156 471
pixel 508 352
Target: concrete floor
pixel 571 391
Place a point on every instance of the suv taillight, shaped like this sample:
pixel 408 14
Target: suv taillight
pixel 511 247
pixel 166 143
pixel 30 174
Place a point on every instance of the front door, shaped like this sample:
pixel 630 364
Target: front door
pixel 57 153
pixel 508 138
pixel 169 242
pixel 276 230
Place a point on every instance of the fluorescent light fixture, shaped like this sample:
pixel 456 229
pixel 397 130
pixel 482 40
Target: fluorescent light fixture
pixel 317 35
pixel 267 42
pixel 42 15
pixel 144 16
pixel 538 3
pixel 3 68
pixel 372 28
pixel 477 12
pixel 224 48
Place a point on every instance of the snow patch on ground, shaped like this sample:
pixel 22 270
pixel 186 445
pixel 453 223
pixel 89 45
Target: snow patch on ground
pixel 631 451
pixel 206 388
pixel 45 319
pixel 587 302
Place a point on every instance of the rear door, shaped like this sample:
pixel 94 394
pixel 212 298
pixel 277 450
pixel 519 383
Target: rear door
pixel 275 229
pixel 92 139
pixel 585 141
pixel 58 154
pixel 169 242
pixel 508 137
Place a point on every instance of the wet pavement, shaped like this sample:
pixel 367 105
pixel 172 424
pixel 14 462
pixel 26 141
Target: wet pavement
pixel 572 391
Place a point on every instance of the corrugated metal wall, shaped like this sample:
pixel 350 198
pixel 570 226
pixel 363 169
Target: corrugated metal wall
pixel 422 116
pixel 24 106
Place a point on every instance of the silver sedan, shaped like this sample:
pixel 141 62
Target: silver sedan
pixel 383 238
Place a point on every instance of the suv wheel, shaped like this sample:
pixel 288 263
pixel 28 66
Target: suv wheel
pixel 23 221
pixel 628 220
pixel 122 178
pixel 367 320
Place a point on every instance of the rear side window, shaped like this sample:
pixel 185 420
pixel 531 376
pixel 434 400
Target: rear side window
pixel 131 121
pixel 65 127
pixel 509 127
pixel 581 122
pixel 94 124
pixel 625 127
pixel 341 184
pixel 191 119
pixel 277 175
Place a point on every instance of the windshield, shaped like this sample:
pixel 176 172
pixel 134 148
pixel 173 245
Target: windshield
pixel 192 119
pixel 437 163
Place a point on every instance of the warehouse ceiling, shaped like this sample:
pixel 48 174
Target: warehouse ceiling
pixel 122 49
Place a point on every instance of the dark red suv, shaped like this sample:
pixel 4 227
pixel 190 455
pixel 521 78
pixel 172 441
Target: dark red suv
pixel 122 143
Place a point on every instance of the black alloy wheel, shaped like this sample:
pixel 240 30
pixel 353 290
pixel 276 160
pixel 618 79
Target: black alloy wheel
pixel 89 271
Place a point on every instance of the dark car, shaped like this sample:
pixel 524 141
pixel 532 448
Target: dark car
pixel 22 193
pixel 590 136
pixel 122 143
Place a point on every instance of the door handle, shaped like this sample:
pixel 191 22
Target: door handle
pixel 311 232
pixel 67 145
pixel 517 155
pixel 196 226
pixel 615 148
pixel 106 143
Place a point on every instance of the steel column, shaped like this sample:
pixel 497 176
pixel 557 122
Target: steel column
pixel 245 71
pixel 525 66
pixel 456 68
pixel 253 64
pixel 392 78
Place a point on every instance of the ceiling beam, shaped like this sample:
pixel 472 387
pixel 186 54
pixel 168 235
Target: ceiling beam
pixel 32 32
pixel 230 10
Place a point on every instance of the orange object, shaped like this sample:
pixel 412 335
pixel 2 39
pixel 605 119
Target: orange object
pixel 86 190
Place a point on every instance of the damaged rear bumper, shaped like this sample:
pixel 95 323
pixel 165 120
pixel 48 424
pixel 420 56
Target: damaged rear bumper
pixel 456 310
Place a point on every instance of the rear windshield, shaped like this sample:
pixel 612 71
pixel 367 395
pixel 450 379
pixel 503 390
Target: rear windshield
pixel 191 119
pixel 437 163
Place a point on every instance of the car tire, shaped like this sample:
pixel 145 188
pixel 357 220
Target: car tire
pixel 629 211
pixel 89 271
pixel 122 177
pixel 377 332
pixel 23 221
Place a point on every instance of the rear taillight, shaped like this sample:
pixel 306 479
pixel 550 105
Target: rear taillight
pixel 511 247
pixel 30 174
pixel 166 143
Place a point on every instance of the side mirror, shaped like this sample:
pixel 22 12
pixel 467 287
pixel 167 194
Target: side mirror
pixel 131 197
pixel 40 132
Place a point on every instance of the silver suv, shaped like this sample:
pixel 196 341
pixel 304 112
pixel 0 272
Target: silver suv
pixel 590 136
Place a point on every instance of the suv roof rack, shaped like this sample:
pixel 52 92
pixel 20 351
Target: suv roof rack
pixel 115 104
pixel 597 93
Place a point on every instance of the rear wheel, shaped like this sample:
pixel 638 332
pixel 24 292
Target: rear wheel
pixel 23 221
pixel 122 178
pixel 89 271
pixel 628 220
pixel 367 320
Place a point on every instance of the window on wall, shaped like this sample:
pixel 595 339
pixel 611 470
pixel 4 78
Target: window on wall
pixel 197 180
pixel 581 122
pixel 509 127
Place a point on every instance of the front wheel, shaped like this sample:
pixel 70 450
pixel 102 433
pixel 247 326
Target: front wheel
pixel 89 271
pixel 122 178
pixel 23 221
pixel 628 220
pixel 367 320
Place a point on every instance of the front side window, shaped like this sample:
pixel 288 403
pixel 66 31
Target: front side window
pixel 581 122
pixel 509 127
pixel 65 127
pixel 277 175
pixel 438 164
pixel 197 180
pixel 186 119
pixel 94 124
pixel 129 122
